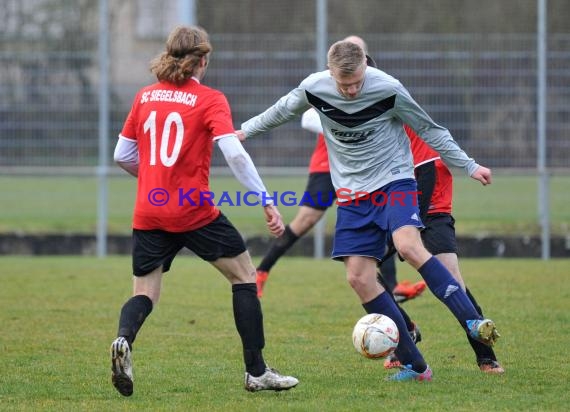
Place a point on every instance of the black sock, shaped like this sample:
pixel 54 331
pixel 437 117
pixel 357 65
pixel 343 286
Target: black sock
pixel 133 315
pixel 409 324
pixel 249 323
pixel 278 248
pixel 388 271
pixel 481 350
pixel 472 299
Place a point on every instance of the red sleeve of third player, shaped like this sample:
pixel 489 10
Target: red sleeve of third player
pixel 320 158
pixel 420 150
pixel 442 195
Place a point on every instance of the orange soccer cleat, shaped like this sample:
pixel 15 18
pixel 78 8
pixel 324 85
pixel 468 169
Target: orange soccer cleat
pixel 260 279
pixel 406 290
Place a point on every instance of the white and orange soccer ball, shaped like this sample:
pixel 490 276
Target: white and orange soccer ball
pixel 375 336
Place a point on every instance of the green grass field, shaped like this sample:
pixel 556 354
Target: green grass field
pixel 69 204
pixel 59 315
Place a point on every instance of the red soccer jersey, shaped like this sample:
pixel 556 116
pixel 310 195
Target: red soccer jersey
pixel 442 196
pixel 320 159
pixel 173 128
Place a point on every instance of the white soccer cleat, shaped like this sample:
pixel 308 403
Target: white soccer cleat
pixel 270 380
pixel 122 367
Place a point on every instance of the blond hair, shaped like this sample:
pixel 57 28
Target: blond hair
pixel 357 40
pixel 346 57
pixel 185 47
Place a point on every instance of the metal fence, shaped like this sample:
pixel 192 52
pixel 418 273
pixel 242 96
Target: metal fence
pixel 479 83
pixel 481 86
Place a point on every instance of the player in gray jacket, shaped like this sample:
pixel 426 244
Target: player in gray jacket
pixel 362 111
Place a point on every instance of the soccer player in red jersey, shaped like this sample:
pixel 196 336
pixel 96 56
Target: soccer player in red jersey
pixel 167 142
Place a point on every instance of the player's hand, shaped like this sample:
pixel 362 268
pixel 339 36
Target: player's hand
pixel 241 135
pixel 483 175
pixel 274 220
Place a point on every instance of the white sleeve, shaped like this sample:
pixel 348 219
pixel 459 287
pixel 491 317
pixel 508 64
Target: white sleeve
pixel 242 166
pixel 127 155
pixel 311 121
pixel 126 151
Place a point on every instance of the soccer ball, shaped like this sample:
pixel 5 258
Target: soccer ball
pixel 375 336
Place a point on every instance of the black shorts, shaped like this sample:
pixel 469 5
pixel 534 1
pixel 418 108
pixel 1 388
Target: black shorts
pixel 439 233
pixel 155 248
pixel 319 193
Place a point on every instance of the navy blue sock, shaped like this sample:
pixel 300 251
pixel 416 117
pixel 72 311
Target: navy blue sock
pixel 445 288
pixel 407 352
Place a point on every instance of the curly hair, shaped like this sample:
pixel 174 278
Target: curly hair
pixel 185 47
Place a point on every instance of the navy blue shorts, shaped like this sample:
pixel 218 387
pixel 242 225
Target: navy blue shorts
pixel 362 225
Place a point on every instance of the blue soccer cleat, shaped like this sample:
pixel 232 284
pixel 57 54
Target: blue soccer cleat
pixel 483 330
pixel 408 374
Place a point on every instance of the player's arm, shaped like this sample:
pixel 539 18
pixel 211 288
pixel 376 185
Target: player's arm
pixel 245 172
pixel 436 136
pixel 127 155
pixel 285 109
